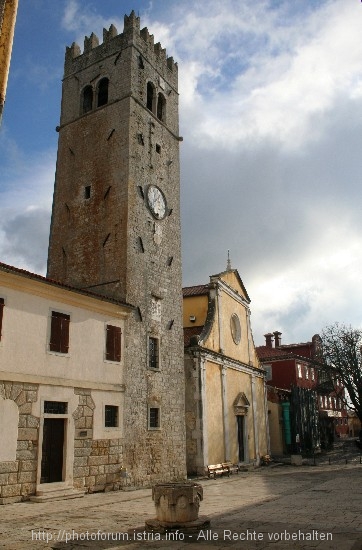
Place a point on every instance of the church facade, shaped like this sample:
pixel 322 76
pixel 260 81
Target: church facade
pixel 226 413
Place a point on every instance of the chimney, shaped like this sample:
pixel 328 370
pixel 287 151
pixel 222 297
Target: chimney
pixel 277 338
pixel 268 340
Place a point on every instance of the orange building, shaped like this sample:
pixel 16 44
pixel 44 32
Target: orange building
pixel 226 416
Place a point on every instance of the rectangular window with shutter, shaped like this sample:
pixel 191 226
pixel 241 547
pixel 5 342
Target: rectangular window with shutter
pixel 2 302
pixel 113 343
pixel 59 332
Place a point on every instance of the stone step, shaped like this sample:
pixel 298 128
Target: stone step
pixel 56 494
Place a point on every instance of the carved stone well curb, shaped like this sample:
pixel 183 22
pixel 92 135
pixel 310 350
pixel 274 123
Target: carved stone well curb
pixel 177 507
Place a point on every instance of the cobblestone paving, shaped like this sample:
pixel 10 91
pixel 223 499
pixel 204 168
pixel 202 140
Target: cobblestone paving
pixel 271 508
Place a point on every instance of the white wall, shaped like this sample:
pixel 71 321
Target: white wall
pixel 24 346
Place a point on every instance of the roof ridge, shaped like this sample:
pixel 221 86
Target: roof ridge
pixel 53 282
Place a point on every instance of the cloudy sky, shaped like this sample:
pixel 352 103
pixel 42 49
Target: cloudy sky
pixel 271 115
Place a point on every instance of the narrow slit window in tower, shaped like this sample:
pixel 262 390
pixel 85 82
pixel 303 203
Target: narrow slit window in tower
pixel 102 92
pixel 150 96
pixel 87 102
pixel 161 107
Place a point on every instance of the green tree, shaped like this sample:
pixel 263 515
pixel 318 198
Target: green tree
pixel 340 358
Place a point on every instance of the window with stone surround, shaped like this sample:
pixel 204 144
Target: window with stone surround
pixel 161 107
pixel 268 372
pixel 113 343
pixel 102 95
pixel 59 332
pixel 154 418
pixel 153 353
pixel 111 416
pixel 87 99
pixel 55 407
pixel 235 327
pixel 151 97
pixel 2 303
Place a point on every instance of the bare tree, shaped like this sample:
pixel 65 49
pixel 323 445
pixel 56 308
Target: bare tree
pixel 341 360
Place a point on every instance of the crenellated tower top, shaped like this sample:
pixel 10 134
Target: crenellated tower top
pixel 114 43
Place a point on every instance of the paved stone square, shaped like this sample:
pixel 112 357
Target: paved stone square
pixel 272 508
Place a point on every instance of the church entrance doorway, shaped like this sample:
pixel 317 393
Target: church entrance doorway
pixel 241 437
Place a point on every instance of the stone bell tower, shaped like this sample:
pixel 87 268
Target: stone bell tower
pixel 115 226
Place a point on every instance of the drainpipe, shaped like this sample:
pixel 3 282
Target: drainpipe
pixel 204 412
pixel 267 429
pixel 225 413
pixel 255 421
pixel 220 319
pixel 248 328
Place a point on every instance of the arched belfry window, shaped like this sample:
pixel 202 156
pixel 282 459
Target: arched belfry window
pixel 87 99
pixel 161 107
pixel 151 97
pixel 102 96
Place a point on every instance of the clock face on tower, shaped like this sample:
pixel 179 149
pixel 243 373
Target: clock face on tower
pixel 156 202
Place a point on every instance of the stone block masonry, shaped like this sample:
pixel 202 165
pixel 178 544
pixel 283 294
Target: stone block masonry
pixel 18 477
pixel 97 463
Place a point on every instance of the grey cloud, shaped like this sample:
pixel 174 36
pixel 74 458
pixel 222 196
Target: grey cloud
pixel 278 211
pixel 267 205
pixel 26 239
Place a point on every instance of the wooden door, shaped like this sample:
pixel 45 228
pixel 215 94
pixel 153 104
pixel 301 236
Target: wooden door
pixel 241 437
pixel 52 450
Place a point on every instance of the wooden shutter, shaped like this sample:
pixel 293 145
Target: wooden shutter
pixel 113 343
pixel 2 302
pixel 59 333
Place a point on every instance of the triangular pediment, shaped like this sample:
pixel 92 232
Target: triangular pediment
pixel 241 400
pixel 241 404
pixel 233 280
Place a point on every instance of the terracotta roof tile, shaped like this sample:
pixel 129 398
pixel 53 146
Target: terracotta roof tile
pixel 198 290
pixel 266 352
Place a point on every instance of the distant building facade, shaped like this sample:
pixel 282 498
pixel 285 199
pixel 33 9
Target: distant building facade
pixel 354 424
pixel 312 414
pixel 225 389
